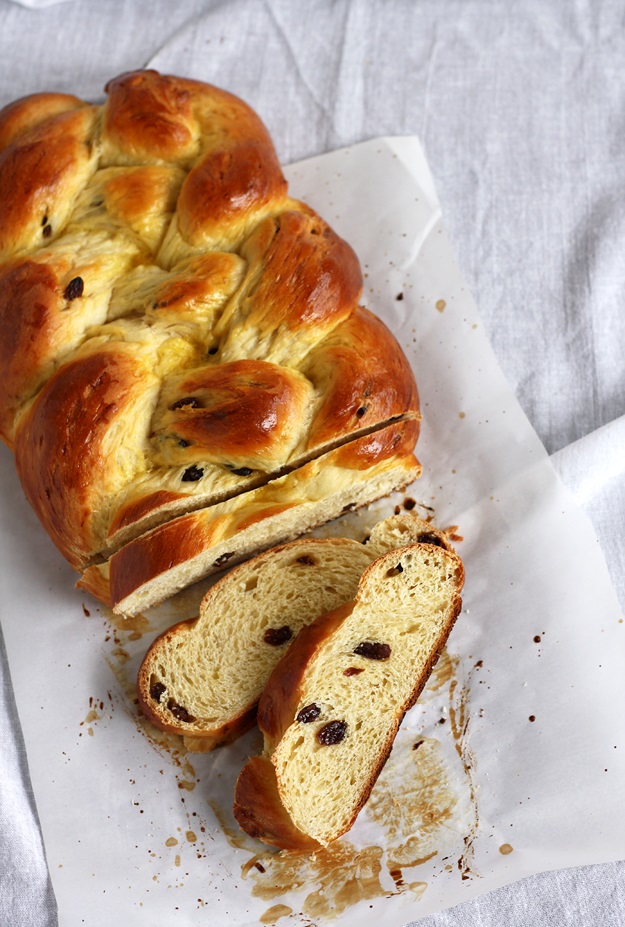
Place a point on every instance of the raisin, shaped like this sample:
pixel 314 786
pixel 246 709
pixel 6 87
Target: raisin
pixel 179 712
pixel 308 713
pixel 353 670
pixel 395 570
pixel 183 442
pixel 399 297
pixel 157 691
pixel 74 288
pixel 47 231
pixel 243 471
pixel 188 402
pixel 332 733
pixel 192 474
pixel 213 350
pixel 277 636
pixel 44 221
pixel 361 411
pixel 348 508
pixel 223 559
pixel 307 560
pixel 409 504
pixel 430 539
pixel 373 650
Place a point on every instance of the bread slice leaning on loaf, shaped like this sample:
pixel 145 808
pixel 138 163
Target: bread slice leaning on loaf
pixel 334 703
pixel 160 563
pixel 202 678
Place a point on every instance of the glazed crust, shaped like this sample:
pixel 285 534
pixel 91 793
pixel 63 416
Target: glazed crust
pixel 210 536
pixel 259 811
pixel 174 329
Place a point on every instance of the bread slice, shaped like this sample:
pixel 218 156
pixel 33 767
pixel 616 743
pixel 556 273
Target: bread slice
pixel 160 563
pixel 334 703
pixel 202 678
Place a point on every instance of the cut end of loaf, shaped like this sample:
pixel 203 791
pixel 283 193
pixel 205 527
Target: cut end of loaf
pixel 169 558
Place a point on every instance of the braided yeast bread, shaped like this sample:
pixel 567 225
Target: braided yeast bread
pixel 202 678
pixel 176 333
pixel 333 704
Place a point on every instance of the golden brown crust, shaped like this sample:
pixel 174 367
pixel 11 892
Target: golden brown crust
pixel 24 114
pixel 149 117
pixel 364 376
pixel 259 811
pixel 62 452
pixel 395 441
pixel 137 509
pixel 149 252
pixel 40 173
pixel 308 277
pixel 237 412
pixel 30 321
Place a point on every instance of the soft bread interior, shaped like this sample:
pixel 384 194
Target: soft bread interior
pixel 355 687
pixel 207 674
pixel 202 678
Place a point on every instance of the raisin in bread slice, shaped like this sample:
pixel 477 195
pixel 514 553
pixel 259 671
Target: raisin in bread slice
pixel 334 703
pixel 202 678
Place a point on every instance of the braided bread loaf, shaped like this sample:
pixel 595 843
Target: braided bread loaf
pixel 182 350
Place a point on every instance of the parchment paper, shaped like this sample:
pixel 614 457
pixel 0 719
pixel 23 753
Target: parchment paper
pixel 512 762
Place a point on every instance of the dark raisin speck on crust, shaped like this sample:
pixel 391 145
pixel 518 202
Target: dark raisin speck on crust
pixel 278 636
pixel 192 474
pixel 332 733
pixel 373 650
pixel 187 402
pixel 308 713
pixel 157 691
pixel 243 471
pixel 430 539
pixel 179 711
pixel 74 288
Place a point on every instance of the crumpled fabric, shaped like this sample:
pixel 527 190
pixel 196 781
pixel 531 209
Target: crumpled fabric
pixel 522 114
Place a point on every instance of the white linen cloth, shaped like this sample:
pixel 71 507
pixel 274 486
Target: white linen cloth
pixel 521 109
